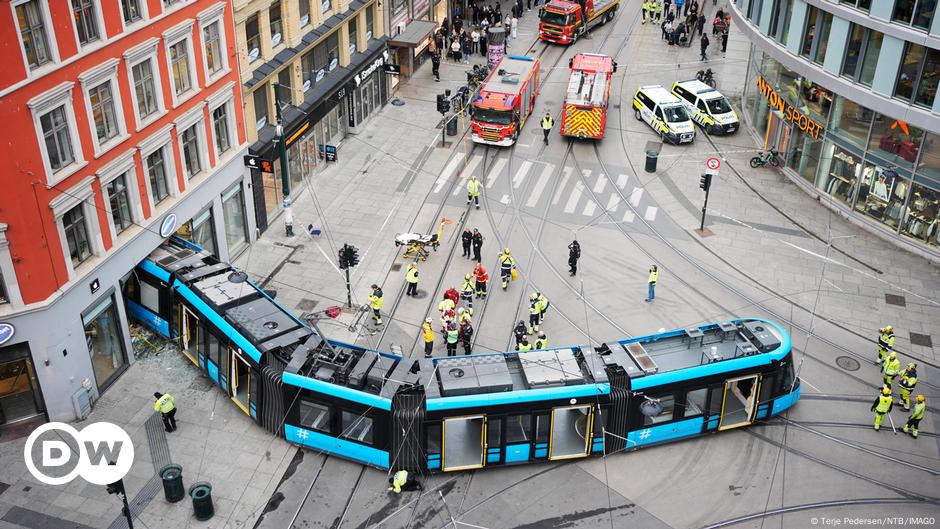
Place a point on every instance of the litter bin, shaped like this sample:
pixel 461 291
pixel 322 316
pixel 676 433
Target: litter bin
pixel 201 493
pixel 172 476
pixel 452 126
pixel 651 157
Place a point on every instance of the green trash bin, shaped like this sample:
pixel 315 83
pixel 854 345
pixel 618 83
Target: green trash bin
pixel 172 476
pixel 651 158
pixel 201 493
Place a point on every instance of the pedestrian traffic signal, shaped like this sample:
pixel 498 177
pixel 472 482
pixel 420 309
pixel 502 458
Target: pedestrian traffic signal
pixel 705 181
pixel 352 255
pixel 116 488
pixel 343 263
pixel 442 104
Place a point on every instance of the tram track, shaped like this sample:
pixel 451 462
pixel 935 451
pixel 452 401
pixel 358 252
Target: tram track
pixel 808 506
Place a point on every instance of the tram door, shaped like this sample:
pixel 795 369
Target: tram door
pixel 464 442
pixel 189 333
pixel 571 432
pixel 737 407
pixel 240 380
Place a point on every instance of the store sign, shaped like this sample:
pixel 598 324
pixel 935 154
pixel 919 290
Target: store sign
pixel 330 153
pixel 789 112
pixel 7 330
pixel 168 226
pixel 367 71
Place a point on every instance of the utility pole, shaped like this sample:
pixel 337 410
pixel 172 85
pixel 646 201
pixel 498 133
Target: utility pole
pixel 348 258
pixel 118 488
pixel 282 154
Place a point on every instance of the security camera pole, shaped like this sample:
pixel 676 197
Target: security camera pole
pixel 282 154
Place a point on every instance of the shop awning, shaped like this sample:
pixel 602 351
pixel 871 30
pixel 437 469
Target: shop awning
pixel 414 34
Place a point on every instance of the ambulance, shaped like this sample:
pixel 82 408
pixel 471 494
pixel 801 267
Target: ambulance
pixel 664 113
pixel 708 107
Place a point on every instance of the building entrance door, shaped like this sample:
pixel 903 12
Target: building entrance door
pixel 19 392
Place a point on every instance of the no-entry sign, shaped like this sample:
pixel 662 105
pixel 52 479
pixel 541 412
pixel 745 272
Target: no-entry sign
pixel 713 163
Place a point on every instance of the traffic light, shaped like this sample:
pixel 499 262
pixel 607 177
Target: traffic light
pixel 705 182
pixel 352 255
pixel 343 263
pixel 116 488
pixel 443 104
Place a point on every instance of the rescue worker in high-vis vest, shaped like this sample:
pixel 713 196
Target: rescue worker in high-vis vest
pixel 534 313
pixel 913 421
pixel 541 342
pixel 885 342
pixel 547 124
pixel 506 263
pixel 907 383
pixel 453 336
pixel 646 10
pixel 466 291
pixel 882 406
pixel 473 191
pixel 891 368
pixel 481 278
pixel 428 334
pixel 524 344
pixel 375 303
pixel 400 482
pixel 411 277
pixel 543 305
pixel 167 408
pixel 651 281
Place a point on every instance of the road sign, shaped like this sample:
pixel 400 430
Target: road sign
pixel 713 163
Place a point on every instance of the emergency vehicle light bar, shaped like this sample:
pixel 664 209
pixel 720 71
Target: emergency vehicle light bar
pixel 521 58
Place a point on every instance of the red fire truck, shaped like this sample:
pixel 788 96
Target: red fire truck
pixel 563 21
pixel 585 110
pixel 505 100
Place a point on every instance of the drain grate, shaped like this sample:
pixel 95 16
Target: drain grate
pixel 307 305
pixel 396 267
pixel 921 339
pixel 894 299
pixel 848 363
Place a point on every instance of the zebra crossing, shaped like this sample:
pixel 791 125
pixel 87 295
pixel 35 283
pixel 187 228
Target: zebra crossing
pixel 530 181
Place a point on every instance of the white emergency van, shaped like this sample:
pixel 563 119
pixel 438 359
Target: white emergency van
pixel 665 113
pixel 708 107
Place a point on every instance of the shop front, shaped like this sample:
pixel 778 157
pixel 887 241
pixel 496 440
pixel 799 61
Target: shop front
pixel 876 168
pixel 20 395
pixel 367 93
pixel 411 46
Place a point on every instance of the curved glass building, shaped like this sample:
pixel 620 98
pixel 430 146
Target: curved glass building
pixel 847 91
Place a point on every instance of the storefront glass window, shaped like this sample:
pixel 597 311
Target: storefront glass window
pixel 929 164
pixel 806 158
pixel 850 121
pixel 839 174
pixel 233 210
pixel 881 194
pixel 910 65
pixel 20 397
pixel 105 343
pixel 922 218
pixel 200 231
pixel 872 50
pixel 895 141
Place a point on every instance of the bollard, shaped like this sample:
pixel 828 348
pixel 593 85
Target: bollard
pixel 201 493
pixel 172 477
pixel 651 157
pixel 452 126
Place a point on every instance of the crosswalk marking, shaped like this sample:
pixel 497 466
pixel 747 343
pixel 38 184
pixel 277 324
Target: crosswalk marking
pixel 650 213
pixel 447 172
pixel 495 171
pixel 613 203
pixel 575 197
pixel 564 182
pixel 521 174
pixel 636 196
pixel 589 209
pixel 622 180
pixel 540 185
pixel 505 199
pixel 601 184
pixel 628 216
pixel 467 172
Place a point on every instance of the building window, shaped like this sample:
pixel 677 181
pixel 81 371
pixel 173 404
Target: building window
pixel 910 67
pixel 86 22
pixel 303 9
pixel 33 33
pixel 822 42
pixel 120 204
pixel 200 231
pixel 325 6
pixel 918 13
pixel 861 4
pixel 76 234
pixel 398 6
pixel 853 51
pixel 274 17
pixel 754 9
pixel 213 43
pixel 4 298
pixel 102 111
pixel 307 64
pixel 261 106
pixel 284 80
pixel 220 125
pixel 233 211
pixel 871 53
pixel 156 172
pixel 191 162
pixel 326 55
pixel 370 22
pixel 927 86
pixel 131 11
pixel 809 34
pixel 55 131
pixel 105 341
pixel 253 38
pixel 179 61
pixel 144 88
pixel 917 79
pixel 353 35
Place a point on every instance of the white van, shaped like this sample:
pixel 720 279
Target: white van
pixel 708 107
pixel 665 113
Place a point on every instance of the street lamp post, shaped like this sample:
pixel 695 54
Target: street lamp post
pixel 282 155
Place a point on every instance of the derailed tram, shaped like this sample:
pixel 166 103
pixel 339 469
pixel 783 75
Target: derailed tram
pixel 457 413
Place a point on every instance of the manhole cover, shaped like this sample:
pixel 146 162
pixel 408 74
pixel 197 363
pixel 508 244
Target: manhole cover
pixel 848 363
pixel 893 299
pixel 306 304
pixel 396 267
pixel 921 339
pixel 398 102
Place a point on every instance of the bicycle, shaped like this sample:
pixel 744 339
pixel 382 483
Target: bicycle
pixel 763 159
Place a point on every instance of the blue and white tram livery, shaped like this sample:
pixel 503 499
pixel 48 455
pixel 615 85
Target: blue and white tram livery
pixel 457 413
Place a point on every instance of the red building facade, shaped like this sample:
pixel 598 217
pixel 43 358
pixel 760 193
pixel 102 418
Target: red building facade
pixel 121 119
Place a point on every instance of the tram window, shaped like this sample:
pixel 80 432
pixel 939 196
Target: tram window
pixel 695 402
pixel 716 395
pixel 434 438
pixel 669 404
pixel 494 429
pixel 787 378
pixel 357 427
pixel 767 385
pixel 214 348
pixel 600 421
pixel 542 425
pixel 315 416
pixel 518 429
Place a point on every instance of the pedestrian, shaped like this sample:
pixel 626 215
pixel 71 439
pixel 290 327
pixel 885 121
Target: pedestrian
pixel 913 421
pixel 658 10
pixel 667 6
pixel 467 50
pixel 436 67
pixel 907 384
pixel 645 9
pixel 882 405
pixel 507 263
pixel 483 38
pixel 481 278
pixel 667 32
pixel 703 43
pixel 543 305
pixel 375 303
pixel 574 253
pixel 528 5
pixel 453 336
pixel 428 334
pixel 724 40
pixel 653 278
pixel 400 482
pixel 167 408
pixel 891 368
pixel 514 26
pixel 475 40
pixel 411 277
pixel 700 26
pixel 666 28
pixel 679 7
pixel 477 245
pixel 467 239
pixel 466 336
pixel 885 343
pixel 466 291
pixel 523 344
pixel 693 7
pixel 519 332
pixel 453 295
pixel 446 308
pixel 473 191
pixel 670 16
pixel 455 49
pixel 534 312
pixel 547 124
pixel 541 342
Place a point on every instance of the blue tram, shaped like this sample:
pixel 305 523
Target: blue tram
pixel 457 413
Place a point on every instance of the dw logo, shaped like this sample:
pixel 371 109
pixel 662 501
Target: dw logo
pixel 101 453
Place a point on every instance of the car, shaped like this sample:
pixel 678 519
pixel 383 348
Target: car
pixel 708 107
pixel 665 113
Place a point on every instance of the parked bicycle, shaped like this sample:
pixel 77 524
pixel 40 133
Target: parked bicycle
pixel 762 159
pixel 707 77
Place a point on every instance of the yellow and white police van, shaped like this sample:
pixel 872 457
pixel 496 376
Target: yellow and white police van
pixel 665 113
pixel 708 107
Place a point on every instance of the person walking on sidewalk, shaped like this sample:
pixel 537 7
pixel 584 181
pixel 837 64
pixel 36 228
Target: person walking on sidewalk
pixel 703 43
pixel 645 10
pixel 167 408
pixel 455 50
pixel 724 40
pixel 411 277
pixel 651 281
pixel 513 25
pixel 481 278
pixel 428 334
pixel 436 66
pixel 547 124
pixel 477 245
pixel 467 239
pixel 913 421
pixel 467 50
pixel 882 406
pixel 375 303
pixel 574 253
pixel 473 191
pixel 700 25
